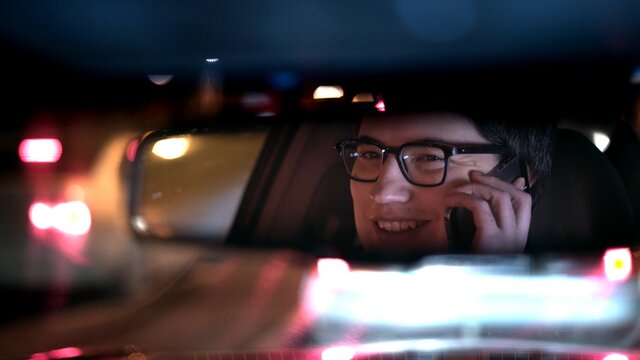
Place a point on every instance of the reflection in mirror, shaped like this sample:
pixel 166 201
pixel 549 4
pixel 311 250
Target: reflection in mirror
pixel 191 185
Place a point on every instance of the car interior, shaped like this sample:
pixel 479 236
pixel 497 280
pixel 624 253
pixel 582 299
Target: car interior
pixel 584 206
pixel 298 194
pixel 226 247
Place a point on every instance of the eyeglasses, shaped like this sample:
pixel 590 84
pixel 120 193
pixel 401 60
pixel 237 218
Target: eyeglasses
pixel 421 163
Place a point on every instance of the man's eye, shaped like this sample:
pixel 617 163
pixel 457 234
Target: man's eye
pixel 369 155
pixel 429 158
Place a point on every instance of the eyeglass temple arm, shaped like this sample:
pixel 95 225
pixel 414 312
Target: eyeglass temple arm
pixel 489 149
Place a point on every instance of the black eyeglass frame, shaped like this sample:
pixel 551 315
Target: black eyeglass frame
pixel 448 150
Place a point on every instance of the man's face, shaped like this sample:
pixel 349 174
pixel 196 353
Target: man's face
pixel 391 214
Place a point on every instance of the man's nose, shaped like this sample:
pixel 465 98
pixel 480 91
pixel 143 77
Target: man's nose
pixel 391 185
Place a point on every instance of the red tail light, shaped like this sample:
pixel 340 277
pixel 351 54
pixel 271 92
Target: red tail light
pixel 40 150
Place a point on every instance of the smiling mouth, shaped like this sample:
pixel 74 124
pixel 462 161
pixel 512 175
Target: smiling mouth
pixel 399 226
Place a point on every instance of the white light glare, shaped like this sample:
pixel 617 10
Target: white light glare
pixel 139 223
pixel 437 295
pixel 212 60
pixel 73 218
pixel 332 269
pixel 40 215
pixel 615 356
pixel 171 148
pixel 328 92
pixel 601 140
pixel 338 353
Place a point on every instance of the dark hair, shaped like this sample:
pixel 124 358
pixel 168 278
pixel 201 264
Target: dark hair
pixel 532 142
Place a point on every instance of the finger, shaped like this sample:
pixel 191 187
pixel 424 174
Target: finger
pixel 520 183
pixel 497 182
pixel 483 217
pixel 488 237
pixel 522 205
pixel 521 200
pixel 500 203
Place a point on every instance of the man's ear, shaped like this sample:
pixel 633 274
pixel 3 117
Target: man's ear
pixel 532 179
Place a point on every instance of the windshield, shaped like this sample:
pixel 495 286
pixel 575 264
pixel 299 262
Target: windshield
pixel 324 180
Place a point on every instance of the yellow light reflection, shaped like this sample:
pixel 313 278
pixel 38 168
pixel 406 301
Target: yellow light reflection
pixel 171 148
pixel 362 97
pixel 328 92
pixel 74 192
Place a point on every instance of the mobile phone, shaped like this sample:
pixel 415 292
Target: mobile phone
pixel 459 223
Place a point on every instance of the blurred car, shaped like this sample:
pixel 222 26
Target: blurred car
pixel 221 223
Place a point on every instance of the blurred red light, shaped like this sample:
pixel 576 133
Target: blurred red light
pixel 40 150
pixel 617 264
pixel 39 356
pixel 380 106
pixel 65 353
pixel 132 148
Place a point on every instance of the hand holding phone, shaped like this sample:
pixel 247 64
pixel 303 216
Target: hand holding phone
pixel 460 225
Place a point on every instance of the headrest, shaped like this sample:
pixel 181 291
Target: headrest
pixel 584 206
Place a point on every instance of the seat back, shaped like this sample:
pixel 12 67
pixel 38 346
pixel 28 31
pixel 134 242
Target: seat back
pixel 584 206
pixel 624 153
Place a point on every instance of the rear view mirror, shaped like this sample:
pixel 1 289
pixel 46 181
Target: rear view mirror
pixel 191 184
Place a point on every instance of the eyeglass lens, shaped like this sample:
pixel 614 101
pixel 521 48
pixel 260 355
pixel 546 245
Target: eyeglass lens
pixel 422 164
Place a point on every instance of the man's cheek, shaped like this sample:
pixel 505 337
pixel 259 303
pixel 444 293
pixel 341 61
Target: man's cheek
pixel 360 213
pixel 359 195
pixel 361 202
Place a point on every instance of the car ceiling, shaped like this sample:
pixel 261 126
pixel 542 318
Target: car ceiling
pixel 252 36
pixel 99 53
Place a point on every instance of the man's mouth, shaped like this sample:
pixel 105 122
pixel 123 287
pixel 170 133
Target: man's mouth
pixel 399 226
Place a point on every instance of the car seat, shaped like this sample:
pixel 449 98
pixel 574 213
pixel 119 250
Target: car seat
pixel 624 153
pixel 584 206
